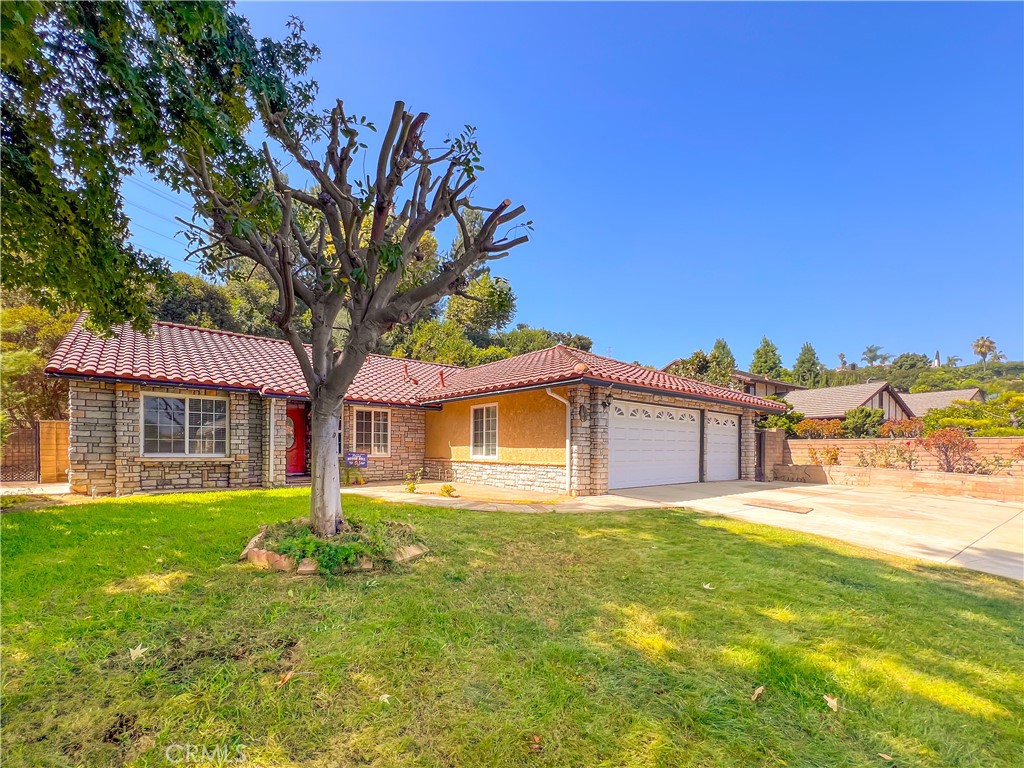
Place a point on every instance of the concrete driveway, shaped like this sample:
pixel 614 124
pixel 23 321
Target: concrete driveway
pixel 974 533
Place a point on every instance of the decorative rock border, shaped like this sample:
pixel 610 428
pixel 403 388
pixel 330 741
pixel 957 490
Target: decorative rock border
pixel 265 558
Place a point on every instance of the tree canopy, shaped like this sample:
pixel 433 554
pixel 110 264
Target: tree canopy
pixel 807 370
pixel 94 90
pixel 767 361
pixel 712 368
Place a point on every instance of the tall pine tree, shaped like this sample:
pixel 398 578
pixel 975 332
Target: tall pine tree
pixel 807 370
pixel 767 361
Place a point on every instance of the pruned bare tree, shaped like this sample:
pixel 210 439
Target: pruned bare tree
pixel 313 243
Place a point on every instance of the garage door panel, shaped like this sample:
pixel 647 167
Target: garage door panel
pixel 722 433
pixel 652 445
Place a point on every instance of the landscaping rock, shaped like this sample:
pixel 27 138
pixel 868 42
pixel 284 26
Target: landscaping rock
pixel 281 562
pixel 259 557
pixel 308 567
pixel 254 542
pixel 410 553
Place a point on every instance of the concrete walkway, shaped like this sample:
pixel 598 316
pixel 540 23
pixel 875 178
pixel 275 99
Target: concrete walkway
pixel 34 489
pixel 974 533
pixel 979 534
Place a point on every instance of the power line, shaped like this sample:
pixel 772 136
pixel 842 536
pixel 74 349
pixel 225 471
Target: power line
pixel 160 216
pixel 156 232
pixel 158 192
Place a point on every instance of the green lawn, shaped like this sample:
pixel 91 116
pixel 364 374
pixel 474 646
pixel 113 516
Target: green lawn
pixel 593 632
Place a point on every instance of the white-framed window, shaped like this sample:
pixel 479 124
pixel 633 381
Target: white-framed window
pixel 371 431
pixel 483 443
pixel 180 425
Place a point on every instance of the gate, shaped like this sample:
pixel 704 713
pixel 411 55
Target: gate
pixel 19 456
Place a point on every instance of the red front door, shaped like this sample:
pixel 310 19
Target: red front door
pixel 296 461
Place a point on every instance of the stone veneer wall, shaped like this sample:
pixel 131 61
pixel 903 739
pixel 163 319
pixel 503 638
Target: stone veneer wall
pixel 408 440
pixel 105 451
pixel 91 437
pixel 546 478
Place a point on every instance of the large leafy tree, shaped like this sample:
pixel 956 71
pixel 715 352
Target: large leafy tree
pixel 807 370
pixel 712 368
pixel 767 361
pixel 28 336
pixel 94 90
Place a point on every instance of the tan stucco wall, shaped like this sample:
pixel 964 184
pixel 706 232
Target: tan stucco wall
pixel 531 428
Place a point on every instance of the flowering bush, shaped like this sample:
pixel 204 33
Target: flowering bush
pixel 902 428
pixel 895 455
pixel 826 457
pixel 952 448
pixel 819 428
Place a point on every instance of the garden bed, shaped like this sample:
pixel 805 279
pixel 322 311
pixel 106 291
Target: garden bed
pixel 292 546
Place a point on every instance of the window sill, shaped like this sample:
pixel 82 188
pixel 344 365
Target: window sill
pixel 187 458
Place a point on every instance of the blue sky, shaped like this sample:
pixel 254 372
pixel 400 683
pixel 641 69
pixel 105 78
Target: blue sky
pixel 844 174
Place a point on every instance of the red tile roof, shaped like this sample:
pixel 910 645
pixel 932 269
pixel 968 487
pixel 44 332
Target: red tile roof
pixel 181 354
pixel 560 364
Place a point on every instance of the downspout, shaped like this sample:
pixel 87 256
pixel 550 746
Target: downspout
pixel 270 472
pixel 568 437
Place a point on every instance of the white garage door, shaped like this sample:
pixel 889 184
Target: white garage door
pixel 652 445
pixel 722 432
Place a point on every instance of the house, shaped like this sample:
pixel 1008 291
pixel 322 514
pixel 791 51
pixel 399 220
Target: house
pixel 920 403
pixel 186 407
pixel 762 386
pixel 752 383
pixel 834 402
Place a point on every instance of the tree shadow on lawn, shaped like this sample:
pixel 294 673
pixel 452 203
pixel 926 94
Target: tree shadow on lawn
pixel 594 632
pixel 925 660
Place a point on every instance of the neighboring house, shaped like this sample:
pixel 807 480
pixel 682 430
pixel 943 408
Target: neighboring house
pixel 762 386
pixel 919 404
pixel 752 384
pixel 189 407
pixel 834 402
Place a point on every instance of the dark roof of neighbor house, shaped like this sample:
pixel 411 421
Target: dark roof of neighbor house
pixel 834 402
pixel 202 357
pixel 747 377
pixel 920 403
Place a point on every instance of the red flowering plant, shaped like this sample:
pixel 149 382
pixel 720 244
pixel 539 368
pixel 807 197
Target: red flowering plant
pixel 952 448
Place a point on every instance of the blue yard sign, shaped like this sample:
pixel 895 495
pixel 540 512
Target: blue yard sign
pixel 354 459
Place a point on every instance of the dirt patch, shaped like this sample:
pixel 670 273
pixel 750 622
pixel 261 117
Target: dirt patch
pixel 124 731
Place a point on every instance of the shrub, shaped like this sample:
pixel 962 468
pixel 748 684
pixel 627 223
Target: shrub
pixel 902 428
pixel 448 490
pixel 828 456
pixel 378 541
pixel 819 428
pixel 786 421
pixel 352 475
pixel 863 422
pixel 953 449
pixel 892 456
pixel 1005 414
